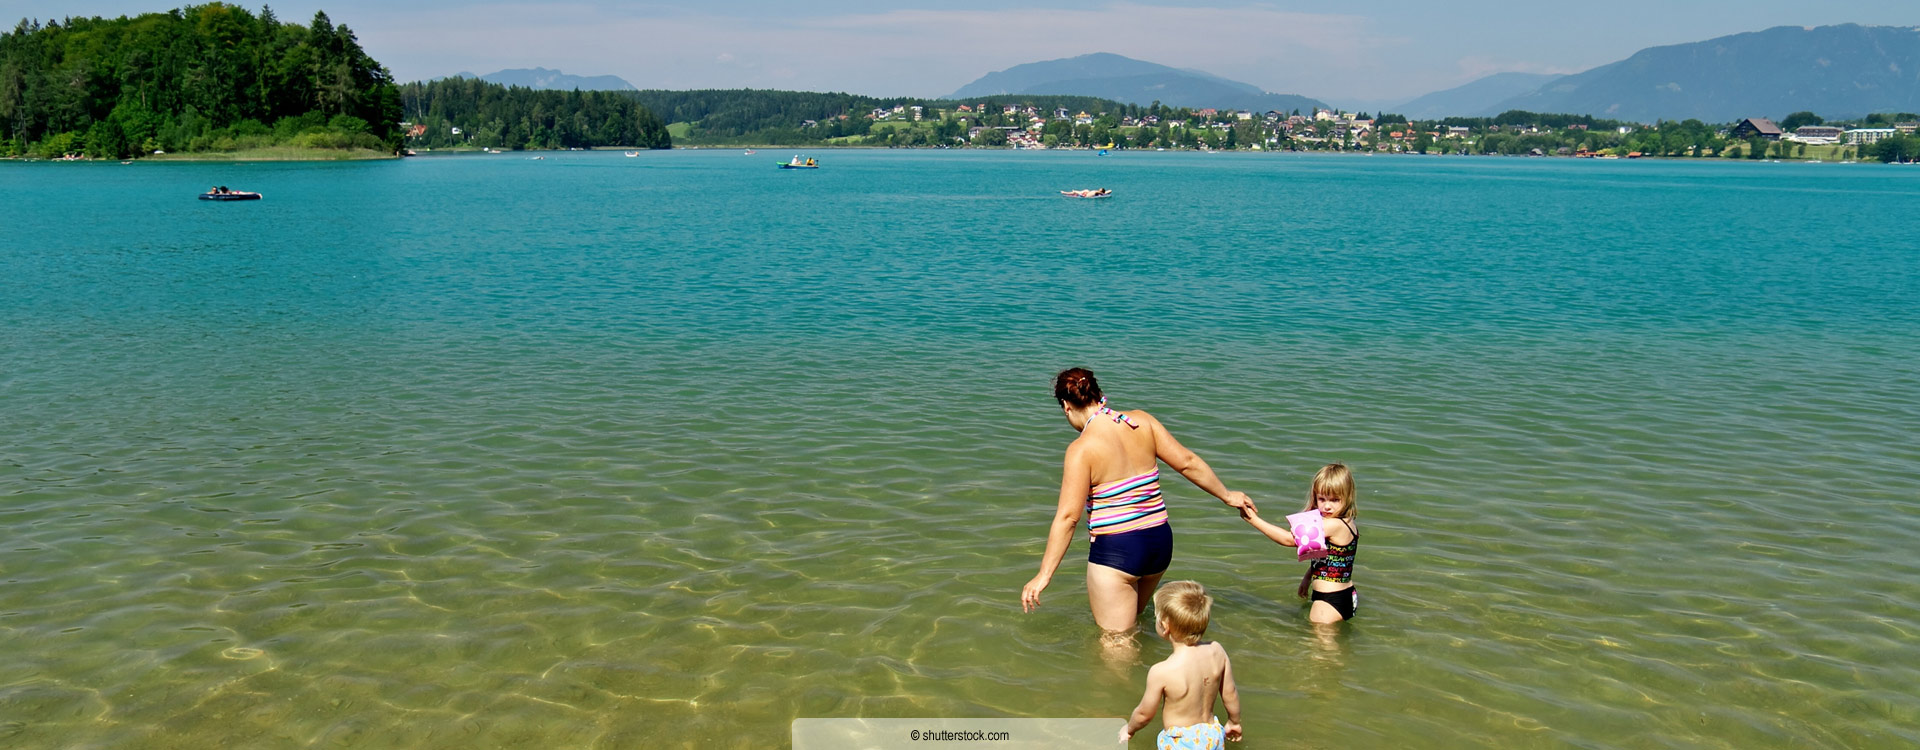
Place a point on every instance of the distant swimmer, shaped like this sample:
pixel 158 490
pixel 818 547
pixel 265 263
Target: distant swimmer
pixel 1111 476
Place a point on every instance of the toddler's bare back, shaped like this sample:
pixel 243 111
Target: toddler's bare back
pixel 1192 677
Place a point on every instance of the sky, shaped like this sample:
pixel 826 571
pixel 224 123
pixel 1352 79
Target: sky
pixel 1369 53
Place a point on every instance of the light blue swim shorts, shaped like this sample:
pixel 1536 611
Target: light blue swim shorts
pixel 1208 736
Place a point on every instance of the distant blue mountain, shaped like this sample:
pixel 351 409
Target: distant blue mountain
pixel 1835 71
pixel 1124 79
pixel 1472 99
pixel 542 78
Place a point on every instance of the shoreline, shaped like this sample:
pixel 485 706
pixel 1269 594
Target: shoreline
pixel 1330 152
pixel 274 153
pixel 279 154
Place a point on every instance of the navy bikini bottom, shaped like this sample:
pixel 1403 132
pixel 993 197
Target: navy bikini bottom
pixel 1140 552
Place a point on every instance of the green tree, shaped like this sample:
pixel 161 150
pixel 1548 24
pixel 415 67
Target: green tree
pixel 991 138
pixel 1896 149
pixel 1799 119
pixel 105 140
pixel 176 78
pixel 58 145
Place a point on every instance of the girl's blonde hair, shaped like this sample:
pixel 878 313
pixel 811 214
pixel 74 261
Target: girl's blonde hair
pixel 1333 480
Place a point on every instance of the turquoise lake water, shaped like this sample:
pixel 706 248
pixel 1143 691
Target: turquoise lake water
pixel 668 451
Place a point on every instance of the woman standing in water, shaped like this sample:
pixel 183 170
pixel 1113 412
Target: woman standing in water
pixel 1112 476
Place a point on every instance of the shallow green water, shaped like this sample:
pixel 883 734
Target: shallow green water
pixel 671 450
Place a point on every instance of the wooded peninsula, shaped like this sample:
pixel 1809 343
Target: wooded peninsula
pixel 219 79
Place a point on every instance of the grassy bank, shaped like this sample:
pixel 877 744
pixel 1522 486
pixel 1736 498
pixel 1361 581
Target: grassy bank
pixel 277 153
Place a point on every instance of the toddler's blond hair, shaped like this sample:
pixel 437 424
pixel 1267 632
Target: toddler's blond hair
pixel 1185 609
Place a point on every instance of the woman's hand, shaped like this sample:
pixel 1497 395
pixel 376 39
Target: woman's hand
pixel 1030 596
pixel 1237 500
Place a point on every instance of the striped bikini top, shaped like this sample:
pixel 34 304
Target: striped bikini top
pixel 1128 504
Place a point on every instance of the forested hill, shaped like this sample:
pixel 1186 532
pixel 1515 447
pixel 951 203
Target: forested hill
pixel 473 112
pixel 212 77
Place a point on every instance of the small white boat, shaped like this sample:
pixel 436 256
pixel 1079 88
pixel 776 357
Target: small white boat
pixel 749 152
pixel 631 154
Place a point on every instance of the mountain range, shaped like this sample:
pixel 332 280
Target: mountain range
pixel 1473 98
pixel 1841 71
pixel 1124 79
pixel 544 79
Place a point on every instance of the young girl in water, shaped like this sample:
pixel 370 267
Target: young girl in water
pixel 1329 580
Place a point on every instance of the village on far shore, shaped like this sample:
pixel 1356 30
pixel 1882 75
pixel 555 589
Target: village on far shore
pixel 989 124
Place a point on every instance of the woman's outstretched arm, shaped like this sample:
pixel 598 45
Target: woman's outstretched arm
pixel 1191 465
pixel 1073 500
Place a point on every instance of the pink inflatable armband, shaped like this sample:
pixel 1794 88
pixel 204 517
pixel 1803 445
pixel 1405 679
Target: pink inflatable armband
pixel 1306 531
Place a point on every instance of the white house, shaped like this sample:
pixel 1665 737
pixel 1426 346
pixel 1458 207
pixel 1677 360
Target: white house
pixel 1815 135
pixel 1865 136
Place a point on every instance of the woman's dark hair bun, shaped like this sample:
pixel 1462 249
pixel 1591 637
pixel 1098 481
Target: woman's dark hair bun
pixel 1076 387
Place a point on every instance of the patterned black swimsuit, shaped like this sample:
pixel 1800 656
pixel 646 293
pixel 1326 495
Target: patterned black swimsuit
pixel 1337 567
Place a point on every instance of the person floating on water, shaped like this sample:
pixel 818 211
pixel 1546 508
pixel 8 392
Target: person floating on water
pixel 1329 580
pixel 1111 475
pixel 1190 677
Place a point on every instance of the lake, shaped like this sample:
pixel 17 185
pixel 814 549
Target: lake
pixel 597 451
